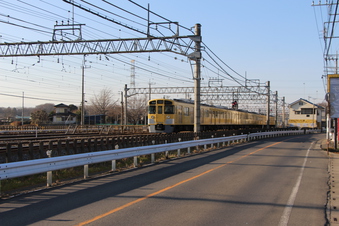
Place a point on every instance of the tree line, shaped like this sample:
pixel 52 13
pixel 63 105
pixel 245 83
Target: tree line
pixel 103 103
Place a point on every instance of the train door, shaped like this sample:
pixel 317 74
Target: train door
pixel 192 115
pixel 202 116
pixel 160 112
pixel 179 114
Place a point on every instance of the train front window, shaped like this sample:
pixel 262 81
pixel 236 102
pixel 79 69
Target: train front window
pixel 169 109
pixel 159 109
pixel 151 109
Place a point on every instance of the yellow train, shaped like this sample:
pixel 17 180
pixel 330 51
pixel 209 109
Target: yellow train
pixel 167 116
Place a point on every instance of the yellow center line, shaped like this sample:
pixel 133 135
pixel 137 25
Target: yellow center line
pixel 169 187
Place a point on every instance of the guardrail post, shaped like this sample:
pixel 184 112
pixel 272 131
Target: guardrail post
pixel 223 143
pixel 153 155
pixel 114 162
pixel 197 147
pixel 49 173
pixel 114 165
pixel 189 150
pixel 166 152
pixel 135 161
pixel 85 171
pixel 178 154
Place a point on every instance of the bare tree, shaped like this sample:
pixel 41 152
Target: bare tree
pixel 39 117
pixel 103 103
pixel 137 109
pixel 9 113
pixel 48 107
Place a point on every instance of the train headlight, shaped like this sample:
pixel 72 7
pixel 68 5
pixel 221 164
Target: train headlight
pixel 152 117
pixel 168 116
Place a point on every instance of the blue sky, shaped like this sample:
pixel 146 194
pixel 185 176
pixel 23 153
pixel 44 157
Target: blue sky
pixel 276 41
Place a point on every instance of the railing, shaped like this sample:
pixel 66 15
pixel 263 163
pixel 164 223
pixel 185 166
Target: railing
pixel 24 168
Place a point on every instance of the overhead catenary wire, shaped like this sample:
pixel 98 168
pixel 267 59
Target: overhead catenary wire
pixel 189 29
pixel 154 68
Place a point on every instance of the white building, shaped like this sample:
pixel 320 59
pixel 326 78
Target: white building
pixel 305 114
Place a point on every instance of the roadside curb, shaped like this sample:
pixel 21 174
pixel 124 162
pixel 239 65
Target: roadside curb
pixel 333 196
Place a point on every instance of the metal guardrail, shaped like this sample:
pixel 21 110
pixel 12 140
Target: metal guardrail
pixel 24 168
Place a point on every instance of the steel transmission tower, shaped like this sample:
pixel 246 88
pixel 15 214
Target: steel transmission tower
pixel 132 84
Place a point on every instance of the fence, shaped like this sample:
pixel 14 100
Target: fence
pixel 71 129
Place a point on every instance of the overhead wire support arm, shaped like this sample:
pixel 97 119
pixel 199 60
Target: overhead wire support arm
pixel 176 45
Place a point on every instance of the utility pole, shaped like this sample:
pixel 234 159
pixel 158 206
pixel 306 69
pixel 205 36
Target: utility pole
pixel 268 104
pixel 125 105
pixel 83 93
pixel 197 78
pixel 23 107
pixel 283 113
pixel 150 89
pixel 122 108
pixel 276 108
pixel 132 84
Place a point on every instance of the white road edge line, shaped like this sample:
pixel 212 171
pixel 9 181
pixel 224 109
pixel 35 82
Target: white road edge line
pixel 288 209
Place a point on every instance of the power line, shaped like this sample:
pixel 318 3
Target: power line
pixel 27 97
pixel 332 31
pixel 5 22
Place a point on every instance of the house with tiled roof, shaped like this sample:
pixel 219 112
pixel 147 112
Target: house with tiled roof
pixel 63 115
pixel 305 114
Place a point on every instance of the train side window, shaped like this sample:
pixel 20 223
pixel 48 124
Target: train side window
pixel 151 109
pixel 169 109
pixel 186 111
pixel 159 109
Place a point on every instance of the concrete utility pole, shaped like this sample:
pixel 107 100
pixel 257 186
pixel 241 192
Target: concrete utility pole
pixel 268 105
pixel 276 108
pixel 83 93
pixel 283 113
pixel 125 105
pixel 197 79
pixel 23 108
pixel 122 108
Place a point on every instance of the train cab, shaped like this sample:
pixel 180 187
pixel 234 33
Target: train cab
pixel 161 116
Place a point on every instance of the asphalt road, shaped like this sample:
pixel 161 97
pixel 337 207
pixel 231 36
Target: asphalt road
pixel 276 181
